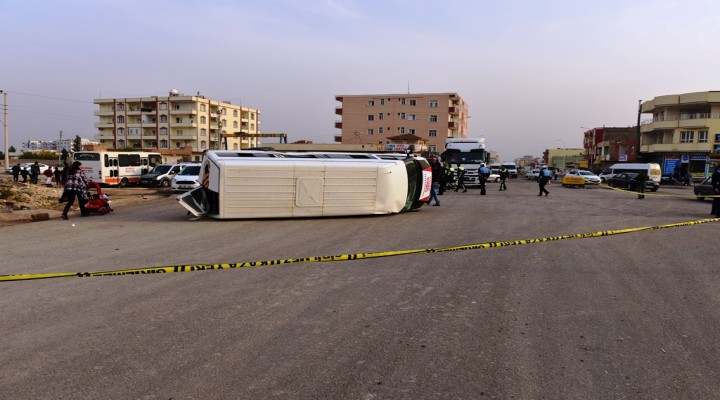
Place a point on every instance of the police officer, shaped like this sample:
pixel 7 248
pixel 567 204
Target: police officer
pixel 460 178
pixel 504 173
pixel 543 179
pixel 447 177
pixel 483 175
pixel 716 191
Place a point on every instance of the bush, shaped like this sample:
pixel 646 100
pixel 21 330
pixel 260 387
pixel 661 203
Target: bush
pixel 39 155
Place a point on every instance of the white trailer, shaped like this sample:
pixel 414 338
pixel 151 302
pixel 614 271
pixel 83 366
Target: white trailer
pixel 248 185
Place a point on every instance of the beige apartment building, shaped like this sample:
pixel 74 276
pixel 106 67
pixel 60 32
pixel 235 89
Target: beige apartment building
pixel 175 121
pixel 684 132
pixel 377 118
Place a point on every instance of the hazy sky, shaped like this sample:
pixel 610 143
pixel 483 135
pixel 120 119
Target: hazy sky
pixel 533 72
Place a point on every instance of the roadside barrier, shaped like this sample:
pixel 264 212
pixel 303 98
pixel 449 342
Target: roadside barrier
pixel 343 257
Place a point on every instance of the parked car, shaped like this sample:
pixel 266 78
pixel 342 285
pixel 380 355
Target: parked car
pixel 187 179
pixel 590 178
pixel 532 175
pixel 161 175
pixel 43 167
pixel 628 180
pixel 704 188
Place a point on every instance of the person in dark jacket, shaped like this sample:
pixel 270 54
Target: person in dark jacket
pixel 447 177
pixel 641 179
pixel 543 179
pixel 34 172
pixel 460 178
pixel 25 174
pixel 437 173
pixel 16 172
pixel 716 191
pixel 483 175
pixel 75 187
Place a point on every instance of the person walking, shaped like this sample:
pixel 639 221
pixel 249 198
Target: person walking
pixel 715 179
pixel 24 172
pixel 460 178
pixel 16 172
pixel 75 187
pixel 483 175
pixel 543 179
pixel 48 176
pixel 503 177
pixel 641 179
pixel 57 176
pixel 437 173
pixel 34 172
pixel 448 176
pixel 63 175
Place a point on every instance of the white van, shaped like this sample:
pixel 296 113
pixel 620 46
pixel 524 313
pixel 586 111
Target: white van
pixel 652 170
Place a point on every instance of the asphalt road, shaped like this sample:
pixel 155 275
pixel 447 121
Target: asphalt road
pixel 630 316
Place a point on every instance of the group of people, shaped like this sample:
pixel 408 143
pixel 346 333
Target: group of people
pixel 33 174
pixel 446 177
pixel 71 178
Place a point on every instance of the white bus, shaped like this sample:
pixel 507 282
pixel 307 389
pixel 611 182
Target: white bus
pixel 254 184
pixel 116 168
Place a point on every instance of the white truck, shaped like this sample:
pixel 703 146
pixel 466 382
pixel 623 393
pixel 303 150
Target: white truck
pixel 470 153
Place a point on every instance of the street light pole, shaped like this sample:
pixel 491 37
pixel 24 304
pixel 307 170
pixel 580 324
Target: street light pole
pixel 5 129
pixel 219 135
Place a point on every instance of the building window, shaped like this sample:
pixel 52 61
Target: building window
pixel 402 101
pixel 411 117
pixel 433 103
pixel 687 136
pixel 121 131
pixel 163 106
pixel 371 117
pixel 380 116
pixel 371 103
pixel 203 120
pixel 202 107
pixel 381 130
pixel 178 120
pixel 432 118
pixel 163 119
pixel 203 145
pixel 120 107
pixel 411 131
pixel 382 102
pixel 432 133
pixel 401 115
pixel 370 131
pixel 702 136
pixel 203 132
pixel 432 148
pixel 179 132
pixel 402 130
pixel 163 131
pixel 120 119
pixel 413 102
pixel 235 114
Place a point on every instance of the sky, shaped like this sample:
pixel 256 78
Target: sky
pixel 535 74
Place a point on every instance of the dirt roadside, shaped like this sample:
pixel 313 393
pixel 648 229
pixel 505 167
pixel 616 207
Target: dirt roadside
pixel 19 201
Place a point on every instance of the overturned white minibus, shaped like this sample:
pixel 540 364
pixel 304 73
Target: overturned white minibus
pixel 255 184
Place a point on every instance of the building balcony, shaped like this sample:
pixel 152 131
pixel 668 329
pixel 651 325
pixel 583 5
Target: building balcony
pixel 183 137
pixel 103 125
pixel 338 124
pixel 677 148
pixel 453 125
pixel 338 110
pixel 184 111
pixel 188 124
pixel 104 113
pixel 452 110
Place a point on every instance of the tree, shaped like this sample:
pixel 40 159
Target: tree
pixel 64 155
pixel 11 149
pixel 77 143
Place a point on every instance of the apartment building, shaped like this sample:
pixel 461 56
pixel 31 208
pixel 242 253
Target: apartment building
pixel 174 122
pixel 684 132
pixel 606 146
pixel 376 118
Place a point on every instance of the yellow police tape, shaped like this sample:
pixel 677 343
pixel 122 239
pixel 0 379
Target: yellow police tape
pixel 343 257
pixel 655 194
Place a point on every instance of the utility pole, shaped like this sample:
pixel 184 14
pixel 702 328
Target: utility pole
pixel 59 149
pixel 5 128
